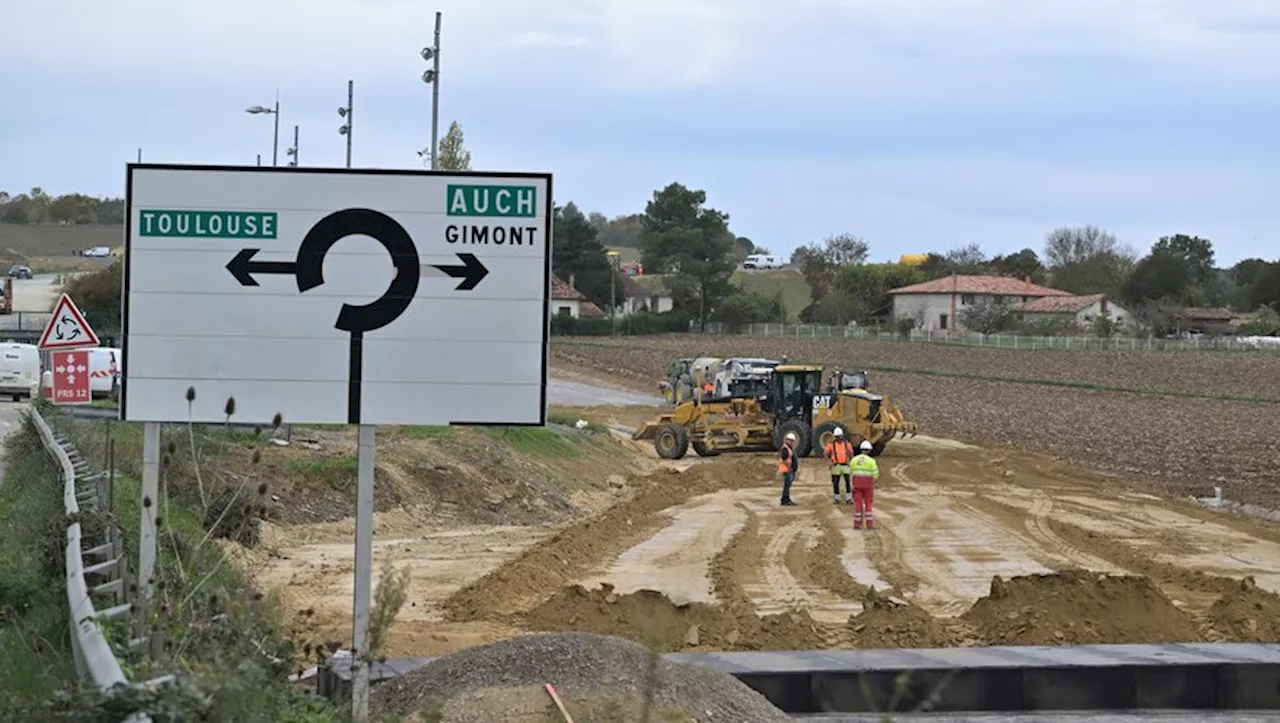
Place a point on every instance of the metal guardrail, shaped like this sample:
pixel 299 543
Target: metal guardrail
pixel 98 572
pixel 993 341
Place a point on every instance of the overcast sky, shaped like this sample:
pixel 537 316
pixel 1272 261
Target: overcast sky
pixel 919 125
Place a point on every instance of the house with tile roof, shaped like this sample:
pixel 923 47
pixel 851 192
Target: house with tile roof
pixel 645 297
pixel 1083 310
pixel 937 305
pixel 566 301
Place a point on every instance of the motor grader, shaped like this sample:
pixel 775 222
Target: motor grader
pixel 794 400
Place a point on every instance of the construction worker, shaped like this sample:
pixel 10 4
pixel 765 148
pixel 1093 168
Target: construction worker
pixel 865 472
pixel 788 464
pixel 839 454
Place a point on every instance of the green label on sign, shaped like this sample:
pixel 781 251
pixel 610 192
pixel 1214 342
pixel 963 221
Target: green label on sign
pixel 207 224
pixel 519 201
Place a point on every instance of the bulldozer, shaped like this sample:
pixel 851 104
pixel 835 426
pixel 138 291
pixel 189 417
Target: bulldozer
pixel 794 400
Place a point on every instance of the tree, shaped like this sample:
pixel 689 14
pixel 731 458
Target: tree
pixel 968 259
pixel 98 296
pixel 454 156
pixel 1023 265
pixel 1087 260
pixel 819 261
pixel 1193 252
pixel 620 231
pixel 860 293
pixel 578 254
pixel 1161 277
pixel 744 247
pixel 843 249
pixel 988 316
pixel 684 238
pixel 743 307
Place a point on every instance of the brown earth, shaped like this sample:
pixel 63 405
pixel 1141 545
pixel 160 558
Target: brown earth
pixel 697 554
pixel 1164 441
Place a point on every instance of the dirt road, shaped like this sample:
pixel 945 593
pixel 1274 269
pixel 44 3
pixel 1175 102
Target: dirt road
pixel 699 555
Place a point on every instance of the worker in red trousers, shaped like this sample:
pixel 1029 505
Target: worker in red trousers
pixel 865 472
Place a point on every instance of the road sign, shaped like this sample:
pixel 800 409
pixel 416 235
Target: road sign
pixel 67 328
pixel 71 377
pixel 336 295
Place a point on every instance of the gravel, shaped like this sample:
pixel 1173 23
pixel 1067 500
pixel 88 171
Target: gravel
pixel 576 664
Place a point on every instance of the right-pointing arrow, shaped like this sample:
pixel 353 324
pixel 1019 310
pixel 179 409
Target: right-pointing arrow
pixel 471 271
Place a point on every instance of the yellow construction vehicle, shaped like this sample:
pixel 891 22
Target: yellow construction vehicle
pixel 794 400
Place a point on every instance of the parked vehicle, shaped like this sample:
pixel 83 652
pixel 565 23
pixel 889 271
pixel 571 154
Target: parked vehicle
pixel 763 261
pixel 105 366
pixel 97 252
pixel 19 370
pixel 20 271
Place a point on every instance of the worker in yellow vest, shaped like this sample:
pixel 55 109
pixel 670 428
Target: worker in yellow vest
pixel 839 454
pixel 865 472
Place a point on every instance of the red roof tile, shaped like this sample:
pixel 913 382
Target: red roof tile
pixel 1060 304
pixel 989 285
pixel 1191 313
pixel 561 291
pixel 589 310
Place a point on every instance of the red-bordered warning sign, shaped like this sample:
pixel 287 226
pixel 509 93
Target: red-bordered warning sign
pixel 67 328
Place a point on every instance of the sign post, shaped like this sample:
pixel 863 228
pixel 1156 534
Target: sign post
pixel 433 310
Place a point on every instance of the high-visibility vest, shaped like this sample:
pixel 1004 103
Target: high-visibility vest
pixel 864 466
pixel 788 465
pixel 840 451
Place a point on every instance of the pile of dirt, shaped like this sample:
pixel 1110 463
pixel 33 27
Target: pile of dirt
pixel 1078 607
pixel 649 617
pixel 888 623
pixel 1247 614
pixel 464 687
pixel 552 564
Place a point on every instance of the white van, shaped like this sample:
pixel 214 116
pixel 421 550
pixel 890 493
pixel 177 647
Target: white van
pixel 763 261
pixel 105 366
pixel 19 370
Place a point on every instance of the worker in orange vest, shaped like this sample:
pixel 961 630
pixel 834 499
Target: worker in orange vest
pixel 788 463
pixel 839 454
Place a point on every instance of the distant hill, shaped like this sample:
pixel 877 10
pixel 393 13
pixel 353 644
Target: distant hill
pixel 788 282
pixel 21 241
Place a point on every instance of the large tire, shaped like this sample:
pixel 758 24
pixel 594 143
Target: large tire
pixel 804 436
pixel 823 435
pixel 671 441
pixel 703 450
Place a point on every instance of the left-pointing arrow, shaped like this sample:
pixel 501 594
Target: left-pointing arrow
pixel 243 267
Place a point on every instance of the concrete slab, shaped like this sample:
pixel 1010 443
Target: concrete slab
pixel 1033 678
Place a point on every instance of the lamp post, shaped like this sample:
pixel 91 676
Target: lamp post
pixel 293 152
pixel 613 294
pixel 432 78
pixel 346 112
pixel 275 138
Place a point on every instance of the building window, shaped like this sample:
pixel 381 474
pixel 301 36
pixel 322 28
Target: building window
pixel 942 322
pixel 564 312
pixel 966 299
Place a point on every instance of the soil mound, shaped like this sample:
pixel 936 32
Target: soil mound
pixel 649 617
pixel 1247 614
pixel 887 623
pixel 1077 607
pixel 582 667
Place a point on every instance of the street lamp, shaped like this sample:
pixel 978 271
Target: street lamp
pixel 293 152
pixel 432 78
pixel 347 112
pixel 275 139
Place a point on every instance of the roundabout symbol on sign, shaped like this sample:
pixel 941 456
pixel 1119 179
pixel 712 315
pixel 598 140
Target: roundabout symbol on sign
pixel 308 272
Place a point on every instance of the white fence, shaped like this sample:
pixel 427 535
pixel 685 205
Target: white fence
pixel 96 573
pixel 996 341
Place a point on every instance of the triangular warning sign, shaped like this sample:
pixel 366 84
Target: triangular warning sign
pixel 67 328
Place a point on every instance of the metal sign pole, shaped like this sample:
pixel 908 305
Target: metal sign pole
pixel 147 541
pixel 360 655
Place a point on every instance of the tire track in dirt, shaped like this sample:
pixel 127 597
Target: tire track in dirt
pixel 1043 542
pixel 550 565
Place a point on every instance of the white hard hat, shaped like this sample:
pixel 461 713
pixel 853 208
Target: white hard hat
pixel 792 436
pixel 839 432
pixel 865 446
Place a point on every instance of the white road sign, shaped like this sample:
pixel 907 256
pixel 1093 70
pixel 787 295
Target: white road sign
pixel 336 296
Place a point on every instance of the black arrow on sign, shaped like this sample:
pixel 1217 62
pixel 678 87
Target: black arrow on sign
pixel 308 272
pixel 243 267
pixel 471 271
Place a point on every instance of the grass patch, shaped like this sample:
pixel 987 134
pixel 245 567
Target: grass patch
pixel 534 441
pixel 216 632
pixel 35 647
pixel 568 419
pixel 424 432
pixel 336 472
pixel 788 283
